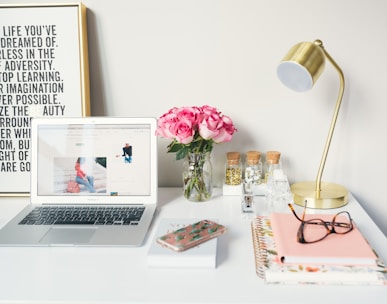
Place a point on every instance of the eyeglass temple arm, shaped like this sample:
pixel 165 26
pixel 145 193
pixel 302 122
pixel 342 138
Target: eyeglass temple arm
pixel 294 212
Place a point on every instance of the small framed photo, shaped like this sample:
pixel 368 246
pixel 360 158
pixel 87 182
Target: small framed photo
pixel 44 72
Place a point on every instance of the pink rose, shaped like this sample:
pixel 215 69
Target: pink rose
pixel 189 113
pixel 178 123
pixel 166 124
pixel 183 130
pixel 209 128
pixel 182 124
pixel 216 127
pixel 226 131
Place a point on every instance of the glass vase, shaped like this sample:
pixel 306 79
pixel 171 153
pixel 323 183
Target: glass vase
pixel 197 177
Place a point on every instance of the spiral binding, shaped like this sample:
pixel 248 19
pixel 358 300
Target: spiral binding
pixel 259 244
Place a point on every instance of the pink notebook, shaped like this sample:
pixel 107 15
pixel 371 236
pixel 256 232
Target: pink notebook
pixel 343 249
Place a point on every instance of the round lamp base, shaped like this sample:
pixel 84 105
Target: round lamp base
pixel 331 195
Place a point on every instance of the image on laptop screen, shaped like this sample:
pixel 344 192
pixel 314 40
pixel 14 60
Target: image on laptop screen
pixel 88 159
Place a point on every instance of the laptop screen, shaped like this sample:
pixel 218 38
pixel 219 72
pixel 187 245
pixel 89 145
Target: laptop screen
pixel 94 159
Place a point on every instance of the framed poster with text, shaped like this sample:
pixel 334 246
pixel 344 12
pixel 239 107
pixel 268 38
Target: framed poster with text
pixel 44 72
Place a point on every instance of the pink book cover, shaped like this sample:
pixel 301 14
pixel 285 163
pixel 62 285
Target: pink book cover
pixel 345 249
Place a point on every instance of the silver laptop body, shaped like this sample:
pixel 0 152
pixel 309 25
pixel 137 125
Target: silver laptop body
pixel 89 162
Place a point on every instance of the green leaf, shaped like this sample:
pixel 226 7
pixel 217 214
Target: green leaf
pixel 212 230
pixel 179 237
pixel 195 231
pixel 182 153
pixel 175 146
pixel 195 237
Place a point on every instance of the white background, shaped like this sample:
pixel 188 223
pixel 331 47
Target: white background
pixel 150 55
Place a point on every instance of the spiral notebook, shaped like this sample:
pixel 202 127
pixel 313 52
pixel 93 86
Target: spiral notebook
pixel 269 267
pixel 350 248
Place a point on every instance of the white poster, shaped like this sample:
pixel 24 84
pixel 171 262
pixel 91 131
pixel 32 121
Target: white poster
pixel 43 73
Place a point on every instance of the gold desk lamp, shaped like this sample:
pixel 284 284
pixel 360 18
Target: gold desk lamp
pixel 299 70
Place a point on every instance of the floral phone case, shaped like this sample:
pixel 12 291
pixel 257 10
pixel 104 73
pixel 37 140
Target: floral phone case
pixel 191 235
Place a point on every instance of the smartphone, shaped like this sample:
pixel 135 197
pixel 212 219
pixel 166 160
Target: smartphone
pixel 191 235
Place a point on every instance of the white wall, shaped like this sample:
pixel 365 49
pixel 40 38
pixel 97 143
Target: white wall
pixel 147 56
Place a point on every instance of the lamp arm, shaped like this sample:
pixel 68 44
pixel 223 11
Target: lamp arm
pixel 334 119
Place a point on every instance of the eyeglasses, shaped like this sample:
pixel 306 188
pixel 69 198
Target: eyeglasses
pixel 315 230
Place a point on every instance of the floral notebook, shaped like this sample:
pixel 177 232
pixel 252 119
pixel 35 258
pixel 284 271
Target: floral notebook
pixel 269 268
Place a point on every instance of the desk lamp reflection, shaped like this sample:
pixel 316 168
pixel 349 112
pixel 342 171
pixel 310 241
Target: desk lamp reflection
pixel 299 71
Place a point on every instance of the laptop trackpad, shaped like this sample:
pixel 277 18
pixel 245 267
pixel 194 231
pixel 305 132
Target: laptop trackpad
pixel 60 235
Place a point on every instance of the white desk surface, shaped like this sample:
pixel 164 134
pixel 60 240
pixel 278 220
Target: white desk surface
pixel 121 275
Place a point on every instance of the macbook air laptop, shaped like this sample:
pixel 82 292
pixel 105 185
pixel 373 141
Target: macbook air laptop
pixel 93 183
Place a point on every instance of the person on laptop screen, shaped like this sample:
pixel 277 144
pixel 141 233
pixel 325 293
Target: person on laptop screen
pixel 127 153
pixel 82 178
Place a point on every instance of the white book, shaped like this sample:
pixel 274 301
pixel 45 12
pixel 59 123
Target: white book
pixel 201 256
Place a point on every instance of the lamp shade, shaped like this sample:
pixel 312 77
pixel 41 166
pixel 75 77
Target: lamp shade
pixel 302 66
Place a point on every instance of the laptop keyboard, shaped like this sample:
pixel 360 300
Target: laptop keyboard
pixel 84 215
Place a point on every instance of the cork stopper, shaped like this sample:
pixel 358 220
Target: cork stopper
pixel 273 157
pixel 233 158
pixel 252 157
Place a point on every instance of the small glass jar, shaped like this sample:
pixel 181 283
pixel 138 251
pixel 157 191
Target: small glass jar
pixel 272 163
pixel 233 169
pixel 253 168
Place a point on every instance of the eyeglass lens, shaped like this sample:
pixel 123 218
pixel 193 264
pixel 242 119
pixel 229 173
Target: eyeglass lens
pixel 316 229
